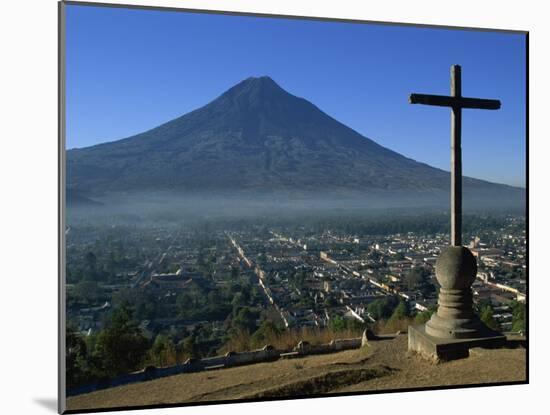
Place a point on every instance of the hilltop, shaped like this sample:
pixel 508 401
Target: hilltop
pixel 383 365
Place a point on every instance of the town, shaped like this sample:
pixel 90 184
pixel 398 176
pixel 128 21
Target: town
pixel 200 290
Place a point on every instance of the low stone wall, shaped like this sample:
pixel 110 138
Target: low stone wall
pixel 230 359
pixel 265 354
pixel 304 348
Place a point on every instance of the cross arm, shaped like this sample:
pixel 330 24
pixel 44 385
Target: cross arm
pixel 460 102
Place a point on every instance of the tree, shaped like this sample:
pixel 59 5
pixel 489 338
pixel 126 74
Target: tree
pixel 518 316
pixel 91 261
pixel 184 304
pixel 188 347
pixel 486 315
pixel 77 371
pixel 173 268
pixel 238 300
pixel 267 332
pixel 87 292
pixel 120 347
pixel 330 301
pixel 306 302
pixel 355 325
pixel 244 320
pixel 298 279
pixel 90 267
pixel 382 308
pixel 400 312
pixel 337 323
pixel 234 272
pixel 261 259
pixel 163 350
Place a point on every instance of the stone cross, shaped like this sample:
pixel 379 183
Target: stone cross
pixel 456 102
pixel 454 328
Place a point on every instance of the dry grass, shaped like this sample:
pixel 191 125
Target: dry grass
pixel 170 357
pixel 287 339
pixel 392 326
pixel 482 367
pixel 223 384
pixel 386 365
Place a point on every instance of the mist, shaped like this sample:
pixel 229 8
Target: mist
pixel 171 207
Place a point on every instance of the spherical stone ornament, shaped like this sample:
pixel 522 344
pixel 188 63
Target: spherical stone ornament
pixel 456 268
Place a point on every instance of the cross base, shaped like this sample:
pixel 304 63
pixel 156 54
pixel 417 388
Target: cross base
pixel 455 317
pixel 441 349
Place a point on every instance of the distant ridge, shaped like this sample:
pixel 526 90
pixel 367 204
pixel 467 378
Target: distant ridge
pixel 74 198
pixel 257 137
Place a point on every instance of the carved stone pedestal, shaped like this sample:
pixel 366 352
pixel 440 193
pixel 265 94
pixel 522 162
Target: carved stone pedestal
pixel 454 328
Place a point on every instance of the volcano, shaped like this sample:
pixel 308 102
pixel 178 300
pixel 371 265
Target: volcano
pixel 257 137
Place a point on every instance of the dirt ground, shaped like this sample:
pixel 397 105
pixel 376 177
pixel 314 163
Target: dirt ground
pixel 383 365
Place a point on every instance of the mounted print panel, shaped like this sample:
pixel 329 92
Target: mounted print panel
pixel 261 207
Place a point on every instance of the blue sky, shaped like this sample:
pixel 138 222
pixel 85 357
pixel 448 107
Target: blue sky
pixel 131 70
